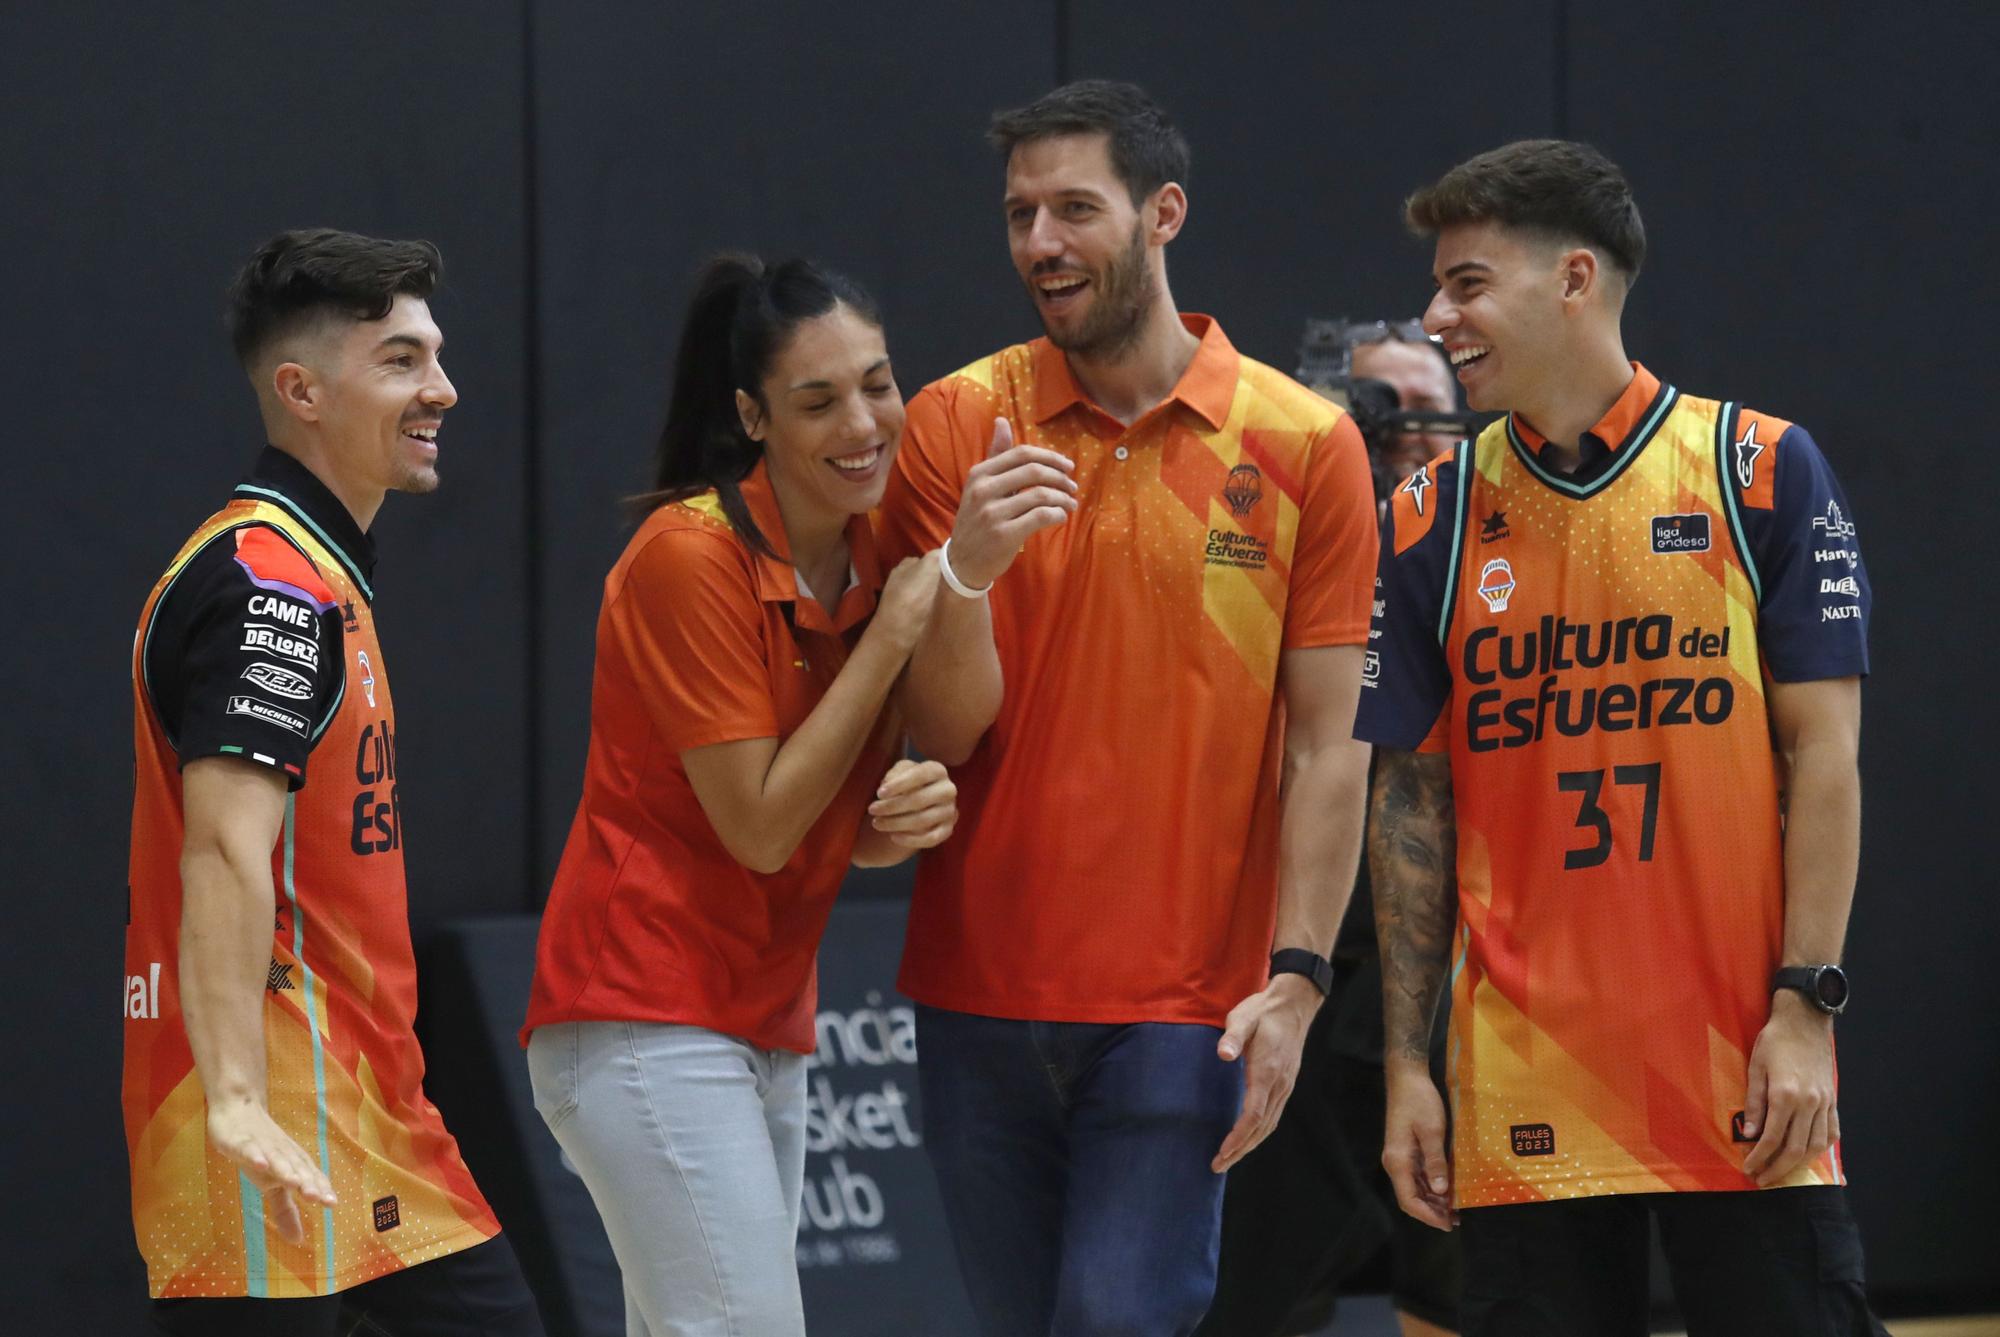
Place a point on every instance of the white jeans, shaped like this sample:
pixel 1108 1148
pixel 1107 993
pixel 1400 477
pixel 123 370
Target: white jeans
pixel 692 1145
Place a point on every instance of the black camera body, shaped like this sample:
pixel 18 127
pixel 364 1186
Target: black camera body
pixel 1326 366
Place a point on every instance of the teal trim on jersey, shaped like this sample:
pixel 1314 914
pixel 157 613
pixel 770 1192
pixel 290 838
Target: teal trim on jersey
pixel 1627 451
pixel 1725 432
pixel 256 1266
pixel 1453 1032
pixel 1465 470
pixel 307 995
pixel 297 512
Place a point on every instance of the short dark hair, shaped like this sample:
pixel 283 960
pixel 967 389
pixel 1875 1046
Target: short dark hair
pixel 1147 151
pixel 303 275
pixel 1558 187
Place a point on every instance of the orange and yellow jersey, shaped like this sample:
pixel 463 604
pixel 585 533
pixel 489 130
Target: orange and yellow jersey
pixel 1593 650
pixel 1116 858
pixel 259 642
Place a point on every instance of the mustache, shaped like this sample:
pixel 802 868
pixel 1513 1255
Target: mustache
pixel 1041 267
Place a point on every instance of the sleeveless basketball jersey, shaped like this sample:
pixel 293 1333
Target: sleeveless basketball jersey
pixel 345 1070
pixel 1620 861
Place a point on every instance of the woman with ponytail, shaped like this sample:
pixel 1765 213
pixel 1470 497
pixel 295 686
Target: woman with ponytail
pixel 743 752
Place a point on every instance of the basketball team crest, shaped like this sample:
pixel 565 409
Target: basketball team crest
pixel 1243 489
pixel 1496 584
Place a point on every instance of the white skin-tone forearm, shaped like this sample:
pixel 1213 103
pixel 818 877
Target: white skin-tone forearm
pixel 1790 1104
pixel 1323 796
pixel 1412 852
pixel 234 810
pixel 763 794
pixel 952 694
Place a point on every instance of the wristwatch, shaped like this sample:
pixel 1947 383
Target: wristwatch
pixel 1825 987
pixel 1303 961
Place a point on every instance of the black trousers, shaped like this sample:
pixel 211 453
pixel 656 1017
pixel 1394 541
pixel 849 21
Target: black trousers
pixel 1779 1263
pixel 476 1292
pixel 1312 1206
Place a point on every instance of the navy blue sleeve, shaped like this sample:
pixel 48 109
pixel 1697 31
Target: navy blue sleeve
pixel 1814 600
pixel 1405 679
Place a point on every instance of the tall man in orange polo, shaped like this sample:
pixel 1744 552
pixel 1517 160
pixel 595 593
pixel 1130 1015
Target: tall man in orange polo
pixel 1145 670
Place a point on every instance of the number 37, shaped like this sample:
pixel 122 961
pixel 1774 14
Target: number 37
pixel 1591 817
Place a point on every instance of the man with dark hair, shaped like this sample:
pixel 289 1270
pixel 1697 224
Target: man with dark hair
pixel 281 1143
pixel 1621 637
pixel 1156 608
pixel 1416 369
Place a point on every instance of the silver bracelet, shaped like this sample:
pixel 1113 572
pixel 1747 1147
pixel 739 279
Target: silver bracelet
pixel 951 577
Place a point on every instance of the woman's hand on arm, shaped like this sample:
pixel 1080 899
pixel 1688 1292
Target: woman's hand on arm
pixel 915 808
pixel 762 795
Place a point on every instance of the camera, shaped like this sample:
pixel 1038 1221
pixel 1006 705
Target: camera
pixel 1326 365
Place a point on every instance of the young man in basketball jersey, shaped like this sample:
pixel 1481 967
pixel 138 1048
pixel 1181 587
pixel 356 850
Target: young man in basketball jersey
pixel 1596 625
pixel 288 1173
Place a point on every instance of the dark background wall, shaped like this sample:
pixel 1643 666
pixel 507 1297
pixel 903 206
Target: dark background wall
pixel 1819 188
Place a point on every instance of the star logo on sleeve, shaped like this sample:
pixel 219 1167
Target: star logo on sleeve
pixel 1418 485
pixel 1747 451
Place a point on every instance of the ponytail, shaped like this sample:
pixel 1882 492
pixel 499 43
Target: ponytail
pixel 742 314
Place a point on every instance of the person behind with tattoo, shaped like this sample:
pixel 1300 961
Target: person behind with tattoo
pixel 1620 640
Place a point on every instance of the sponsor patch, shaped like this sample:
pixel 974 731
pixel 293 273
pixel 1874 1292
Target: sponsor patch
pixel 1823 555
pixel 1680 533
pixel 367 675
pixel 284 610
pixel 1843 613
pixel 1847 585
pixel 279 681
pixel 1534 1139
pixel 1834 524
pixel 276 640
pixel 1496 584
pixel 1736 1133
pixel 1371 668
pixel 270 714
pixel 1494 528
pixel 387 1214
pixel 1243 489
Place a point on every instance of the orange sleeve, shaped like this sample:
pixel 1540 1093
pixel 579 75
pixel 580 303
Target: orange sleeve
pixel 1333 561
pixel 921 501
pixel 689 627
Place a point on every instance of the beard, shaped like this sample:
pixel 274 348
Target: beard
pixel 1125 291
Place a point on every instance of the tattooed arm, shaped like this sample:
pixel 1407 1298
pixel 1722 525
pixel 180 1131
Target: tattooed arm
pixel 1412 849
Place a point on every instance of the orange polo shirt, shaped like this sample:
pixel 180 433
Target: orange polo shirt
pixel 1116 857
pixel 701 640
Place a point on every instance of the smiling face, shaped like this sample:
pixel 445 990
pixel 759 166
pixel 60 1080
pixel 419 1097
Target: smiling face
pixel 1081 245
pixel 1422 384
pixel 378 396
pixel 831 416
pixel 1500 310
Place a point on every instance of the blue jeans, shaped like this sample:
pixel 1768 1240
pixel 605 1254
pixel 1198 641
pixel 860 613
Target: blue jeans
pixel 1073 1162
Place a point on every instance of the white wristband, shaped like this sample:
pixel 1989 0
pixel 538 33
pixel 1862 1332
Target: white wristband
pixel 951 577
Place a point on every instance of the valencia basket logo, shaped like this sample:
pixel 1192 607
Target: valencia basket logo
pixel 1243 489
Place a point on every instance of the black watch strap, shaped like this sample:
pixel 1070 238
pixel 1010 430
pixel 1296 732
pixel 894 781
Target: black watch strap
pixel 1303 961
pixel 1825 987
